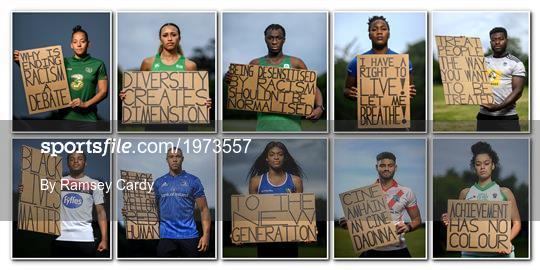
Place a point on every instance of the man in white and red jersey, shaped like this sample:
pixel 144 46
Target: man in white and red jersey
pixel 400 200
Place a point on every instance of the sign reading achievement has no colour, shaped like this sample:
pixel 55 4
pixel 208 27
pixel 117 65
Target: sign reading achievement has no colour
pixel 44 79
pixel 141 218
pixel 269 218
pixel 463 70
pixel 479 226
pixel 39 209
pixel 271 89
pixel 383 91
pixel 165 97
pixel 368 218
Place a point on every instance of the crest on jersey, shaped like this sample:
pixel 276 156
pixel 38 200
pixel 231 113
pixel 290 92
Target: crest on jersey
pixel 286 66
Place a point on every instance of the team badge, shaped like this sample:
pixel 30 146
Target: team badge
pixel 88 69
pixel 179 66
pixel 286 66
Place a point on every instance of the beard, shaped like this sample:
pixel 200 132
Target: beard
pixel 386 178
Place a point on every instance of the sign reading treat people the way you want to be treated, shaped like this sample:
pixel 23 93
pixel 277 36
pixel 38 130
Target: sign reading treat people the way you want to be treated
pixel 141 218
pixel 166 97
pixel 271 89
pixel 270 218
pixel 383 91
pixel 463 70
pixel 479 226
pixel 44 79
pixel 39 208
pixel 368 218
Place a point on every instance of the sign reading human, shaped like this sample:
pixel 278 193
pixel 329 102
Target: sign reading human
pixel 270 218
pixel 39 208
pixel 44 79
pixel 464 74
pixel 383 91
pixel 271 89
pixel 166 97
pixel 479 226
pixel 141 213
pixel 368 218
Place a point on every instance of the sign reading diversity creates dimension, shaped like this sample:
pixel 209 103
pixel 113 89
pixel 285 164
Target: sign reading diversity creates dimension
pixel 368 218
pixel 383 91
pixel 463 70
pixel 269 218
pixel 39 210
pixel 479 226
pixel 44 79
pixel 166 97
pixel 141 219
pixel 271 89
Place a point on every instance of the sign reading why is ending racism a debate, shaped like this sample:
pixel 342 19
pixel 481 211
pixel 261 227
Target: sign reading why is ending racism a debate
pixel 368 218
pixel 39 209
pixel 271 89
pixel 479 226
pixel 167 97
pixel 383 91
pixel 44 79
pixel 463 70
pixel 268 218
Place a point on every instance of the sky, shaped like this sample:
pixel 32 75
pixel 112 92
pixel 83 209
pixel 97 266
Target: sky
pixel 456 153
pixel 202 165
pixel 478 24
pixel 138 34
pixel 405 28
pixel 355 160
pixel 306 37
pixel 36 30
pixel 310 154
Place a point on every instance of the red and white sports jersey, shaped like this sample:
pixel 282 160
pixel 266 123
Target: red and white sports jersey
pixel 400 199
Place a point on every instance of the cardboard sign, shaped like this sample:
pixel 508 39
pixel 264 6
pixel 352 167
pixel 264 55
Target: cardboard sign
pixel 383 91
pixel 269 218
pixel 141 219
pixel 44 79
pixel 368 218
pixel 39 208
pixel 479 226
pixel 463 70
pixel 271 89
pixel 166 97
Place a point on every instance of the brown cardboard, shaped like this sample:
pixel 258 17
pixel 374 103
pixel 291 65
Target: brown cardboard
pixel 141 218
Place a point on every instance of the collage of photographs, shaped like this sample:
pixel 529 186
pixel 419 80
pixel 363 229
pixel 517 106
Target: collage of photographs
pixel 270 135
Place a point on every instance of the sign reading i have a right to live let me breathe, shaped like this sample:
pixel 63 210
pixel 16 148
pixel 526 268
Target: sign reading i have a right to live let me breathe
pixel 464 75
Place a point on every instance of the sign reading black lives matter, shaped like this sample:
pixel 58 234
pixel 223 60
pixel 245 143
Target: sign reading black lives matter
pixel 463 70
pixel 141 218
pixel 44 79
pixel 479 226
pixel 368 218
pixel 167 97
pixel 383 91
pixel 269 218
pixel 39 209
pixel 271 89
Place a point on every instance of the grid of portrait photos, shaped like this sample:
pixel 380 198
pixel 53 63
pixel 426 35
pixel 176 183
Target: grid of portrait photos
pixel 292 135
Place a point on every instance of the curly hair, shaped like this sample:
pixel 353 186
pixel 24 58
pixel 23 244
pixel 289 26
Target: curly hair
pixel 260 166
pixel 376 18
pixel 483 148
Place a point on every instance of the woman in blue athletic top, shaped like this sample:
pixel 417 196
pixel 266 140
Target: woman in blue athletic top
pixel 276 171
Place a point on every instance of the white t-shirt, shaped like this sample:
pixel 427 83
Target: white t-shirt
pixel 76 210
pixel 400 199
pixel 501 70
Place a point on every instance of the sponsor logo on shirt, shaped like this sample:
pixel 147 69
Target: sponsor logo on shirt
pixel 164 184
pixel 77 82
pixel 180 66
pixel 72 200
pixel 156 66
pixel 495 77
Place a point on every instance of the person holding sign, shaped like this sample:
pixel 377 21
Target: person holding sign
pixel 170 57
pixel 400 200
pixel 78 196
pixel 274 37
pixel 84 74
pixel 379 34
pixel 177 193
pixel 507 74
pixel 276 171
pixel 484 162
